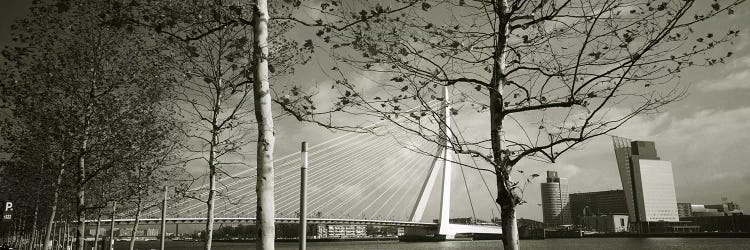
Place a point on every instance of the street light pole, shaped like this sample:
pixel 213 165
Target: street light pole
pixel 163 219
pixel 112 227
pixel 303 200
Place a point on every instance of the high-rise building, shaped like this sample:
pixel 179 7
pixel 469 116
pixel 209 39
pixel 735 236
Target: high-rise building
pixel 555 201
pixel 647 180
pixel 610 202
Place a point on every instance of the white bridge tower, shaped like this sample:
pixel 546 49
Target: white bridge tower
pixel 444 155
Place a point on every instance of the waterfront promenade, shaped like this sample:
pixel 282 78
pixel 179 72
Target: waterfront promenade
pixel 578 244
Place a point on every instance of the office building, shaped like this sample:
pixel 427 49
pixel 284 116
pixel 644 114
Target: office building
pixel 555 201
pixel 647 180
pixel 609 202
pixel 612 223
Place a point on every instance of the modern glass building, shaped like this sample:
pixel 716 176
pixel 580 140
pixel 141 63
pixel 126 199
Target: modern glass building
pixel 611 202
pixel 555 201
pixel 647 180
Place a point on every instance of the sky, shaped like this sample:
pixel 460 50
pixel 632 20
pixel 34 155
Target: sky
pixel 705 135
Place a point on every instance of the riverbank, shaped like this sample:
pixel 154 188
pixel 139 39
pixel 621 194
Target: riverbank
pixel 575 244
pixel 374 239
pixel 672 235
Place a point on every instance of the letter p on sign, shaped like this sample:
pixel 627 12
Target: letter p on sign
pixel 7 209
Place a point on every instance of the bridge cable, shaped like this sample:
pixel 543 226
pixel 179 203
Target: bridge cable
pixel 394 169
pixel 410 186
pixel 412 170
pixel 288 188
pixel 415 187
pixel 281 165
pixel 466 184
pixel 367 154
pixel 282 175
pixel 347 176
pixel 460 134
pixel 291 189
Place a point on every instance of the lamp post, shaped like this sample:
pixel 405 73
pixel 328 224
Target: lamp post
pixel 303 200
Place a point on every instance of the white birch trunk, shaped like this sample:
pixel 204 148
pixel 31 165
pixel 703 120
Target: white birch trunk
pixel 51 220
pixel 137 222
pixel 264 117
pixel 81 199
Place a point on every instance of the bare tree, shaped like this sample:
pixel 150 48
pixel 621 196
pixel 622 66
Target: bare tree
pixel 551 74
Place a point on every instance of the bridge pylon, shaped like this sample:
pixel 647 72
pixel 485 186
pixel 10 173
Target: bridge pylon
pixel 443 156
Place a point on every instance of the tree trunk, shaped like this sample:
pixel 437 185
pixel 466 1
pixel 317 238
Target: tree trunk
pixel 55 197
pixel 34 222
pixel 211 198
pixel 264 116
pixel 507 198
pixel 510 228
pixel 112 227
pixel 66 236
pixel 81 209
pixel 135 226
pixel 98 225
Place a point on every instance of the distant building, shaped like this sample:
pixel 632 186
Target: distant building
pixel 684 210
pixel 726 207
pixel 102 231
pixel 342 231
pixel 612 223
pixel 723 209
pixel 465 220
pixel 703 211
pixel 555 201
pixel 647 180
pixel 724 223
pixel 597 203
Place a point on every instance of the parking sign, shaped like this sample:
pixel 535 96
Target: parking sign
pixel 7 212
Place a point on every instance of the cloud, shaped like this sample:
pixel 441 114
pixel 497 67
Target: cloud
pixel 707 150
pixel 735 81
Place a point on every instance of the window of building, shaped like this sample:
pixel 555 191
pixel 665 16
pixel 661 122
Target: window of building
pixel 622 222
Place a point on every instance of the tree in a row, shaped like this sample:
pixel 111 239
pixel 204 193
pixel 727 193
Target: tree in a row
pixel 93 96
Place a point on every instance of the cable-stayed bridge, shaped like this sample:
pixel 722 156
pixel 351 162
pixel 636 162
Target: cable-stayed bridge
pixel 356 178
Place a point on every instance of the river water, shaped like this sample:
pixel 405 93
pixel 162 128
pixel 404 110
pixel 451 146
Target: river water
pixel 576 244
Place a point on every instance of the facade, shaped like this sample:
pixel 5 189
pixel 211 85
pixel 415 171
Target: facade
pixel 342 231
pixel 597 203
pixel 102 231
pixel 647 180
pixel 723 209
pixel 612 223
pixel 656 194
pixel 555 201
pixel 684 210
pixel 723 223
pixel 622 156
pixel 726 207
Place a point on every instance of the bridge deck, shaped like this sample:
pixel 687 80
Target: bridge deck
pixel 278 220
